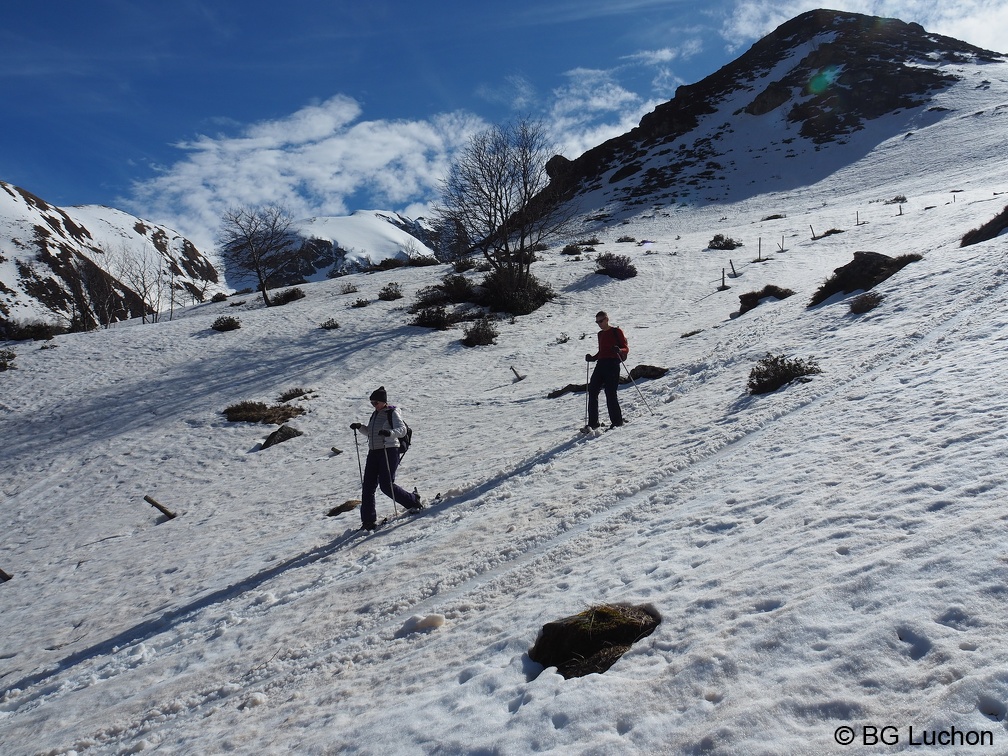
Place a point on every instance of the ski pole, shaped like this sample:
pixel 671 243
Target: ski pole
pixel 357 445
pixel 587 379
pixel 634 382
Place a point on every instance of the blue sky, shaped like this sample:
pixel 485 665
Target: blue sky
pixel 176 110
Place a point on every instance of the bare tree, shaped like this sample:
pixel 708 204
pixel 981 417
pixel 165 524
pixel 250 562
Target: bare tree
pixel 497 198
pixel 259 240
pixel 143 271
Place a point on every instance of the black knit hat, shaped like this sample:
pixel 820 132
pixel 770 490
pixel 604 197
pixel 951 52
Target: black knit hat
pixel 379 395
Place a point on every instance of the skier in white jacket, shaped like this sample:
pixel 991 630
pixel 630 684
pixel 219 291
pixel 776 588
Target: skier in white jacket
pixel 384 429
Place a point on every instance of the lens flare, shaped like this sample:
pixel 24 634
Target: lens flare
pixel 822 80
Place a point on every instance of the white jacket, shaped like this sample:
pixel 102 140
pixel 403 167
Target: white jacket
pixel 380 421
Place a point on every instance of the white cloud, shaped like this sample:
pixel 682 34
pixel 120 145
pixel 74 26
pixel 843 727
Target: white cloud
pixel 688 49
pixel 654 57
pixel 591 108
pixel 983 23
pixel 316 161
pixel 590 92
pixel 517 93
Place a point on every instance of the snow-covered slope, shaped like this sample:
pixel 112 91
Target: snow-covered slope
pixel 831 555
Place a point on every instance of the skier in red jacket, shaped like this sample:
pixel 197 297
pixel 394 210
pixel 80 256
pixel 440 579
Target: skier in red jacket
pixel 612 349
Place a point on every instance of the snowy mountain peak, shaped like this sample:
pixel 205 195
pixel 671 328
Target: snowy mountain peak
pixel 819 92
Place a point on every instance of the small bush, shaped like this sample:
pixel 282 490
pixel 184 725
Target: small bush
pixel 220 296
pixel 360 303
pixel 481 333
pixel 390 292
pixel 615 266
pixel 330 325
pixel 626 239
pixel 260 412
pixel 775 216
pixel 286 297
pixel 457 289
pixel 463 264
pixel 348 288
pixel 899 199
pixel 226 323
pixel 502 295
pixel 6 360
pixel 428 296
pixel 389 263
pixel 433 317
pixel 865 302
pixel 720 241
pixel 423 261
pixel 293 393
pixel 774 371
pixel 36 330
pixel 571 249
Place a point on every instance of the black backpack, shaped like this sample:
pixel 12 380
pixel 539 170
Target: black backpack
pixel 405 441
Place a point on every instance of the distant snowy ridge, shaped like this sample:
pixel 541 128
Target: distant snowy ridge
pixel 91 265
pixel 81 265
pixel 356 242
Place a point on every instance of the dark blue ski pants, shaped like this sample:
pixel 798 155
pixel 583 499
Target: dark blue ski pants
pixel 380 463
pixel 606 376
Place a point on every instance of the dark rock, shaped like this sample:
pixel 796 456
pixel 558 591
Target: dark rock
pixel 637 373
pixel 281 434
pixel 570 388
pixel 647 371
pixel 753 298
pixel 593 640
pixel 866 270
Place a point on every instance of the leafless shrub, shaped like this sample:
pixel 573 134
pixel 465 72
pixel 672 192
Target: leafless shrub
pixel 865 302
pixel 260 412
